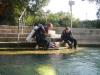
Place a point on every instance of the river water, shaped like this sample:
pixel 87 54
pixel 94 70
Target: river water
pixel 84 62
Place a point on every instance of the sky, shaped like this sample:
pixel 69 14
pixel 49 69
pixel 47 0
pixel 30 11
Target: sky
pixel 83 10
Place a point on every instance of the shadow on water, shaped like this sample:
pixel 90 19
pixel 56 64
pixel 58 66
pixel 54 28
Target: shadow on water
pixel 85 62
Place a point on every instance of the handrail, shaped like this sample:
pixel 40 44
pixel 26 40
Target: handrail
pixel 19 25
pixel 22 14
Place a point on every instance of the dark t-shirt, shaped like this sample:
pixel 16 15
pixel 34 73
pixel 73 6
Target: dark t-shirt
pixel 66 35
pixel 40 33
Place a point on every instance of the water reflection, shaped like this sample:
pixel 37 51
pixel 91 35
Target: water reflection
pixel 45 70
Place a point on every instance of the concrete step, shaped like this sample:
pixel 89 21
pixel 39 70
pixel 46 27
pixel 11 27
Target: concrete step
pixel 12 35
pixel 13 27
pixel 11 39
pixel 14 30
pixel 17 45
pixel 45 52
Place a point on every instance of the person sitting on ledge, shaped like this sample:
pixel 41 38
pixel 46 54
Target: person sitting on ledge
pixel 41 34
pixel 67 37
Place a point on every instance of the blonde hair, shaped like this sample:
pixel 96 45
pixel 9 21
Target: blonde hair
pixel 68 28
pixel 50 25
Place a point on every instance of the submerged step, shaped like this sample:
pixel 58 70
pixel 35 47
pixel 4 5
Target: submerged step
pixel 61 51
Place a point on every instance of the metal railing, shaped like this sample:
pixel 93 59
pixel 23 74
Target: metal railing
pixel 21 24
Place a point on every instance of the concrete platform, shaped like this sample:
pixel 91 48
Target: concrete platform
pixel 46 52
pixel 31 45
pixel 17 44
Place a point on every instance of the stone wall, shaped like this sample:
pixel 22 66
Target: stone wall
pixel 10 33
pixel 83 35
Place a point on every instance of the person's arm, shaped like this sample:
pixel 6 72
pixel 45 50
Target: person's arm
pixel 71 34
pixel 33 36
pixel 62 36
pixel 46 32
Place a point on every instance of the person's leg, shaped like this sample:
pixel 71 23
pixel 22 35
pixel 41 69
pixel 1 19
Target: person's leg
pixel 39 42
pixel 45 43
pixel 75 43
pixel 69 43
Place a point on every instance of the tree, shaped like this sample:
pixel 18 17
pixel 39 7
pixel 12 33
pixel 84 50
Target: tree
pixel 98 4
pixel 90 24
pixel 62 19
pixel 12 9
pixel 98 13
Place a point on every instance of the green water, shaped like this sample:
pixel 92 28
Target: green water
pixel 85 62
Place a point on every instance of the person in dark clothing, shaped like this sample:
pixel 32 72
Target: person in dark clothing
pixel 41 36
pixel 67 37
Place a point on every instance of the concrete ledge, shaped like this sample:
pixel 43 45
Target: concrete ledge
pixel 43 52
pixel 88 45
pixel 30 46
pixel 17 45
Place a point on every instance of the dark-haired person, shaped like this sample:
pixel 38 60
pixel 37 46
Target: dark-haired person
pixel 67 37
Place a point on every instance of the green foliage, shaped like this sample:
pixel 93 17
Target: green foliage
pixel 76 23
pixel 29 20
pixel 15 7
pixel 54 18
pixel 90 24
pixel 98 13
pixel 62 19
pixel 98 24
pixel 98 5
